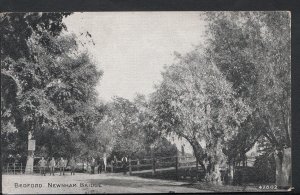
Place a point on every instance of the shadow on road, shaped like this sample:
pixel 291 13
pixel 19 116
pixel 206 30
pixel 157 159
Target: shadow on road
pixel 131 183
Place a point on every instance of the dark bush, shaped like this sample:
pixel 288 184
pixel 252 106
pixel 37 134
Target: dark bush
pixel 265 168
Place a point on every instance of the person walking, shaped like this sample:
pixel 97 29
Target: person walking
pixel 93 163
pixel 124 164
pixel 104 161
pixel 52 165
pixel 72 165
pixel 62 166
pixel 42 164
pixel 100 165
pixel 115 160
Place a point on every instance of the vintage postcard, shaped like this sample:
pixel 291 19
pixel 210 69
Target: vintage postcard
pixel 145 102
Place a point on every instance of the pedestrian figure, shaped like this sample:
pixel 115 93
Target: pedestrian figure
pixel 104 161
pixel 17 159
pixel 93 164
pixel 42 164
pixel 115 160
pixel 124 164
pixel 52 165
pixel 99 165
pixel 62 166
pixel 112 166
pixel 11 159
pixel 72 165
pixel 102 165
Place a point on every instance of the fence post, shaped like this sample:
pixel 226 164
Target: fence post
pixel 14 168
pixel 197 177
pixel 21 169
pixel 191 173
pixel 130 168
pixel 7 168
pixel 138 164
pixel 112 167
pixel 153 166
pixel 176 167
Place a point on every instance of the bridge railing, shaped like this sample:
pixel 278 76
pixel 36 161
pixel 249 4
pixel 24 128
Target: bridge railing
pixel 19 168
pixel 14 168
pixel 180 165
pixel 187 161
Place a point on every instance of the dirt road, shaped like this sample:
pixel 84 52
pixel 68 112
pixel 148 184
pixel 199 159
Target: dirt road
pixel 85 183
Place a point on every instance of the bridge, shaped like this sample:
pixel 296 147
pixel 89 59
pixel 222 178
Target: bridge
pixel 173 167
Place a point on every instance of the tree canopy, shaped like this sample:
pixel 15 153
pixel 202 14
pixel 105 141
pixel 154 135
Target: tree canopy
pixel 233 90
pixel 197 103
pixel 56 82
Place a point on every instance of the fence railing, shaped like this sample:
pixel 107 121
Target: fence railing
pixel 15 168
pixel 184 166
pixel 19 168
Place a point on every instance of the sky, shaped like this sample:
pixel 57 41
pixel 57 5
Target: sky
pixel 132 47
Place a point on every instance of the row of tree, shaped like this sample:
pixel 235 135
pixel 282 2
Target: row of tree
pixel 222 97
pixel 128 129
pixel 48 84
pixel 232 91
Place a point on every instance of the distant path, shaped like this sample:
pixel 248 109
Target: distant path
pixel 163 169
pixel 85 183
pixel 157 170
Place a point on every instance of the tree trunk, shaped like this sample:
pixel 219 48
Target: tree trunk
pixel 198 151
pixel 217 174
pixel 213 175
pixel 218 160
pixel 283 168
pixel 231 171
pixel 278 164
pixel 286 167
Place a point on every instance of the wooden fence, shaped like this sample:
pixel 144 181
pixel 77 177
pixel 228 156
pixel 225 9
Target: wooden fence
pixel 14 168
pixel 19 168
pixel 177 167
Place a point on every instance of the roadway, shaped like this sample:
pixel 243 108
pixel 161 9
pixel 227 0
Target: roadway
pixel 86 183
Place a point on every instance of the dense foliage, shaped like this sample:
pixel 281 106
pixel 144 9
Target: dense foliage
pixel 253 51
pixel 48 89
pixel 232 91
pixel 197 103
pixel 128 129
pixel 55 80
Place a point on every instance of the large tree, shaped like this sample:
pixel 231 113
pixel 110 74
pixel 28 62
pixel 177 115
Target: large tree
pixel 16 30
pixel 253 49
pixel 196 102
pixel 56 98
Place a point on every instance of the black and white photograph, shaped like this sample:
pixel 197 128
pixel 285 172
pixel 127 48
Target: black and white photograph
pixel 146 102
